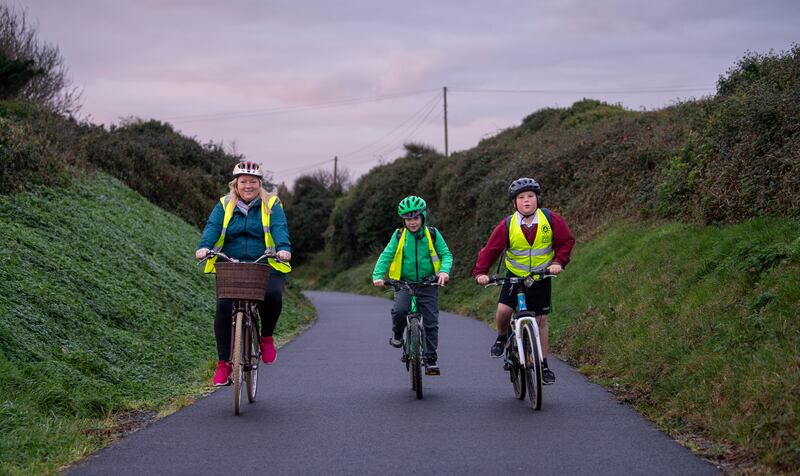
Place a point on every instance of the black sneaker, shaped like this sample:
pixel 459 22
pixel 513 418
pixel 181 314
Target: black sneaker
pixel 431 367
pixel 395 342
pixel 548 377
pixel 498 347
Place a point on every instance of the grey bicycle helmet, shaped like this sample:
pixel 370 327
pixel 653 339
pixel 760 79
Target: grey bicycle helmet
pixel 523 184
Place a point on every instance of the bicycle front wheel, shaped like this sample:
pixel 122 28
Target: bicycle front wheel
pixel 533 368
pixel 238 364
pixel 253 351
pixel 416 358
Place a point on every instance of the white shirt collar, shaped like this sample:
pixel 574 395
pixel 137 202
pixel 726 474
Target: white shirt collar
pixel 534 222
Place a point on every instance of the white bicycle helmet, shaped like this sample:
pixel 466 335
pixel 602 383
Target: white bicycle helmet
pixel 247 167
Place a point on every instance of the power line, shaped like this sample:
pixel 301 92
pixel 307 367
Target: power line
pixel 431 103
pixel 301 168
pixel 422 121
pixel 583 91
pixel 293 108
pixel 391 147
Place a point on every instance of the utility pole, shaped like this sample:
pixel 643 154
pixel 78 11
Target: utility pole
pixel 335 165
pixel 445 122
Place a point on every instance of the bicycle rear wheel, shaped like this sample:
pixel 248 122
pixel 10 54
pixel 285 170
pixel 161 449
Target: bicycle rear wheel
pixel 533 368
pixel 238 338
pixel 515 370
pixel 253 350
pixel 416 357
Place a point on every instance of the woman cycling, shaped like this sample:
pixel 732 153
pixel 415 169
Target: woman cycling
pixel 244 224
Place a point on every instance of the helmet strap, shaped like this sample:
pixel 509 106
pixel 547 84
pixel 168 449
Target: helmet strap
pixel 523 215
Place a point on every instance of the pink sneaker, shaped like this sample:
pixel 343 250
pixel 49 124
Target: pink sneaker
pixel 268 352
pixel 223 375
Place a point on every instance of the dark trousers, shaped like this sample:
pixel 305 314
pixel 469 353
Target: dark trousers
pixel 269 310
pixel 428 306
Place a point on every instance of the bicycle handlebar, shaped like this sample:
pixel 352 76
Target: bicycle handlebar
pixel 398 283
pixel 212 253
pixel 526 280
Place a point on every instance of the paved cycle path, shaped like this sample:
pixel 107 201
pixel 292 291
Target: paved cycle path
pixel 339 401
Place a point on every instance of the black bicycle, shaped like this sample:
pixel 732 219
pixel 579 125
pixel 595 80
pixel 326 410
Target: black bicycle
pixel 414 341
pixel 245 284
pixel 523 351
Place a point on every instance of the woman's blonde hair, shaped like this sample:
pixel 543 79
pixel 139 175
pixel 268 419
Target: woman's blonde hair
pixel 263 194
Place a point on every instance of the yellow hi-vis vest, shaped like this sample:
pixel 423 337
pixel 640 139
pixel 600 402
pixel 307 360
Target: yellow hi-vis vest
pixel 523 258
pixel 229 206
pixel 397 263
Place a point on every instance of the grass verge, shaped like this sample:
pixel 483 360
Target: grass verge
pixel 106 321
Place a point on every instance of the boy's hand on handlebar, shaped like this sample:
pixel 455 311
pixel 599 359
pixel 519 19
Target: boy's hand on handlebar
pixel 555 268
pixel 201 253
pixel 378 282
pixel 482 279
pixel 284 255
pixel 443 278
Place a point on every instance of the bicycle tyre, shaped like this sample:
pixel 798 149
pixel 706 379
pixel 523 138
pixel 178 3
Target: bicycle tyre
pixel 408 354
pixel 516 374
pixel 253 348
pixel 533 368
pixel 416 359
pixel 238 338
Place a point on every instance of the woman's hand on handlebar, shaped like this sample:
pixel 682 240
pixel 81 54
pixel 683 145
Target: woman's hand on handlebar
pixel 201 253
pixel 482 279
pixel 284 255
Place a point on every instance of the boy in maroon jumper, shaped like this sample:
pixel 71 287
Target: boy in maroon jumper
pixel 534 240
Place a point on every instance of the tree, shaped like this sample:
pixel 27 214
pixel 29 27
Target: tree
pixel 15 75
pixel 33 70
pixel 309 207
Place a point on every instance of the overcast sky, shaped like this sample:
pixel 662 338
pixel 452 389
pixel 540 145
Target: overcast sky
pixel 293 84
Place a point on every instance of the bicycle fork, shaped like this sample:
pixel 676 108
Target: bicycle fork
pixel 522 307
pixel 518 325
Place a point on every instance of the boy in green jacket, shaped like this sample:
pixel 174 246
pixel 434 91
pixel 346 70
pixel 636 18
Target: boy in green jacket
pixel 414 253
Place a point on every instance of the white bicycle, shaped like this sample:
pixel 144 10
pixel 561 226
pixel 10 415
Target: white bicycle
pixel 523 352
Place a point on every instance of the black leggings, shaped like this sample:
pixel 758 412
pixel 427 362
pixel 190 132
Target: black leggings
pixel 269 310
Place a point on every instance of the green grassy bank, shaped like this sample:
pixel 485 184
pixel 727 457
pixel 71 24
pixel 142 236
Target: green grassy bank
pixel 694 325
pixel 106 321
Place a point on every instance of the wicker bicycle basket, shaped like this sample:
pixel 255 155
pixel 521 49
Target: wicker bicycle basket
pixel 242 280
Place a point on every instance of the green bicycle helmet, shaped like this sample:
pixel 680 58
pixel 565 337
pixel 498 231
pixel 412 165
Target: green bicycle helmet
pixel 411 206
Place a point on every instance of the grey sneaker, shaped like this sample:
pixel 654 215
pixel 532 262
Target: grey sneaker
pixel 431 367
pixel 395 342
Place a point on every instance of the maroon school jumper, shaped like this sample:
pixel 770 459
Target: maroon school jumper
pixel 498 241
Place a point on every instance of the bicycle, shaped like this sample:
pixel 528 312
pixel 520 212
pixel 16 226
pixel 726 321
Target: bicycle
pixel 414 341
pixel 244 283
pixel 523 340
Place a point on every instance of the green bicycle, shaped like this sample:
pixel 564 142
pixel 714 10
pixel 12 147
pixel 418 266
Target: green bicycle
pixel 414 341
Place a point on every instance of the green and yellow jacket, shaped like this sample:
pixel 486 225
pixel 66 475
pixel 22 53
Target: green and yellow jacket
pixel 423 254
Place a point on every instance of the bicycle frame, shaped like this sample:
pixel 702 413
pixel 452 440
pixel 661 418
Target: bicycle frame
pixel 519 318
pixel 412 356
pixel 250 312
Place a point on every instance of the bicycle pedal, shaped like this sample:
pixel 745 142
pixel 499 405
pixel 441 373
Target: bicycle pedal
pixel 403 358
pixel 507 366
